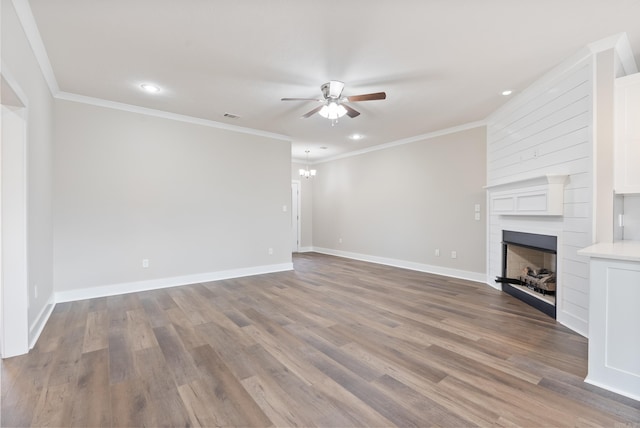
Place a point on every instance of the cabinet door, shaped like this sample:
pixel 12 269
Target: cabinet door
pixel 627 140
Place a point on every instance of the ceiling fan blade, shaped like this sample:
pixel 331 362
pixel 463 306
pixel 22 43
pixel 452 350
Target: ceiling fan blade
pixel 299 99
pixel 312 112
pixel 351 112
pixel 367 97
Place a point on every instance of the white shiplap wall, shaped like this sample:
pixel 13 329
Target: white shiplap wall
pixel 548 129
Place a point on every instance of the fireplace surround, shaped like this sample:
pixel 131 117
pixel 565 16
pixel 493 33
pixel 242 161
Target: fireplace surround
pixel 529 267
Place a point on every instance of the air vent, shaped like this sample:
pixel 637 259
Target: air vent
pixel 231 116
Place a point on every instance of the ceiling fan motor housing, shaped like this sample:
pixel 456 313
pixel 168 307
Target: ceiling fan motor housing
pixel 332 89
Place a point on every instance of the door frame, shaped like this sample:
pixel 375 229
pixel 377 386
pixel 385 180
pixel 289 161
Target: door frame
pixel 14 291
pixel 296 185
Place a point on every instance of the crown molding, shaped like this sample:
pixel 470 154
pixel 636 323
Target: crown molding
pixel 620 43
pixel 99 102
pixel 421 137
pixel 28 22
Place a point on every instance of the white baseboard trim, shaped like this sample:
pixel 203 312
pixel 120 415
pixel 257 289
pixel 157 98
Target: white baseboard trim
pixel 629 394
pixel 493 284
pixel 420 267
pixel 305 249
pixel 573 323
pixel 153 284
pixel 41 320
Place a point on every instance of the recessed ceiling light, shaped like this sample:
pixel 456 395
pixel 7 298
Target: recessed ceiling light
pixel 507 92
pixel 356 137
pixel 152 89
pixel 324 148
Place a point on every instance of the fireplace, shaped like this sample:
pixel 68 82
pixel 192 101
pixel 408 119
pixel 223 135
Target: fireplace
pixel 529 267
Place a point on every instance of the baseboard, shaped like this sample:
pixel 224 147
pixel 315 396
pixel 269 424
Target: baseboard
pixel 573 323
pixel 420 267
pixel 153 284
pixel 628 394
pixel 36 328
pixel 305 249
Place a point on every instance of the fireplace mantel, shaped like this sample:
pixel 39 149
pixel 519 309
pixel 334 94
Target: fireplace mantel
pixel 539 196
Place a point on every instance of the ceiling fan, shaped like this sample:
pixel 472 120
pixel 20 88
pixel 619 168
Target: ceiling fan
pixel 333 103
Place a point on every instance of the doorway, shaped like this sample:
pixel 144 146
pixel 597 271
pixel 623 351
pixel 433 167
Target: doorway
pixel 295 216
pixel 14 296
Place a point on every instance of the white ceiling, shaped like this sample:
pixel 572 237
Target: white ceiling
pixel 442 63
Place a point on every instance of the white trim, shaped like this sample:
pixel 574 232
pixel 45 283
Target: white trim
pixel 421 137
pixel 298 219
pixel 619 42
pixel 28 22
pixel 15 299
pixel 67 96
pixel 612 389
pixel 41 320
pixel 153 284
pixel 305 249
pixel 11 81
pixel 420 267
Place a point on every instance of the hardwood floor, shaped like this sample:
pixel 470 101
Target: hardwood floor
pixel 334 343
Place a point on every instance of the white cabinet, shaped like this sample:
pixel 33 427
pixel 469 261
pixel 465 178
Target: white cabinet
pixel 614 318
pixel 627 134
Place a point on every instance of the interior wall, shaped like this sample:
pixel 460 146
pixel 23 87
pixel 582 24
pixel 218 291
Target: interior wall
pixel 188 198
pixel 631 212
pixel 549 129
pixel 19 60
pixel 306 206
pixel 400 204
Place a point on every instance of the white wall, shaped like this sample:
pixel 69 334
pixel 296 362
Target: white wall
pixel 548 129
pixel 193 200
pixel 399 204
pixel 631 217
pixel 19 61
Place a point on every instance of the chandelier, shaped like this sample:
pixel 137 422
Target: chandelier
pixel 306 172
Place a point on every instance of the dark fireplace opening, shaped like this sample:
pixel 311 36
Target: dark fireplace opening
pixel 529 266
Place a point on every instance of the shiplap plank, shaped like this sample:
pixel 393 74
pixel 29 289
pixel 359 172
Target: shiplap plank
pixel 513 119
pixel 576 112
pixel 555 143
pixel 549 131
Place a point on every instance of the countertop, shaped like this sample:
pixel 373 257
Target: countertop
pixel 620 250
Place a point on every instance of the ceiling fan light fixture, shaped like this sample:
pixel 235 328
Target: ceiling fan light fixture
pixel 332 111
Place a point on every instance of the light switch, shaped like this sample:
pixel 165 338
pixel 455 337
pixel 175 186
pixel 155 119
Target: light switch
pixel 477 208
pixel 477 216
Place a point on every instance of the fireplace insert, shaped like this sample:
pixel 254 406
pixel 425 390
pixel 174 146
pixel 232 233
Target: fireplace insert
pixel 529 266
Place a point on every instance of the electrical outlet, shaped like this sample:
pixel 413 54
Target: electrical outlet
pixel 35 291
pixel 437 252
pixel 477 217
pixel 270 251
pixel 339 240
pixel 454 254
pixel 145 263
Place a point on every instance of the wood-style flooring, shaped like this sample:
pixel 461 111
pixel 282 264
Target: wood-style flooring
pixel 335 343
